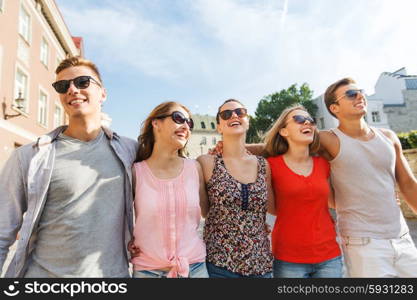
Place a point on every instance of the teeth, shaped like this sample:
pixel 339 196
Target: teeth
pixel 76 102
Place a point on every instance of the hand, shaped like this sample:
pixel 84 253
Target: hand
pixel 134 251
pixel 218 149
pixel 268 228
pixel 397 197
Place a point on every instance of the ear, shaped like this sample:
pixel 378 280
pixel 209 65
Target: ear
pixel 103 95
pixel 155 123
pixel 283 132
pixel 334 108
pixel 219 130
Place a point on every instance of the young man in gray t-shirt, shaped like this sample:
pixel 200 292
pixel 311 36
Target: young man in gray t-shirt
pixel 69 193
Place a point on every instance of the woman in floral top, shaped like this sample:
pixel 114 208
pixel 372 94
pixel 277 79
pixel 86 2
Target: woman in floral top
pixel 240 193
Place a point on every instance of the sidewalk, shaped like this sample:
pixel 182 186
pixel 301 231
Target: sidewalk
pixel 412 225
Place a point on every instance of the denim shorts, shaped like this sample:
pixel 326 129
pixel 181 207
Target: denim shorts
pixel 219 272
pixel 197 270
pixel 332 268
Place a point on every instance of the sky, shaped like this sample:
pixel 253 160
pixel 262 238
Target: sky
pixel 202 52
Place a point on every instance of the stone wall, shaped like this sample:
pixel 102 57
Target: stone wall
pixel 403 118
pixel 411 156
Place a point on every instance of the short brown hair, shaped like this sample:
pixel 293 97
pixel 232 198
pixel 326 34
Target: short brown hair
pixel 146 138
pixel 220 107
pixel 276 144
pixel 75 61
pixel 329 95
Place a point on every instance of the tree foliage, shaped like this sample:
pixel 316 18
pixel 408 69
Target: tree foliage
pixel 270 107
pixel 408 139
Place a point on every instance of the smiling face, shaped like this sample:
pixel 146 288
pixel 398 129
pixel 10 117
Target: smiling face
pixel 81 102
pixel 348 107
pixel 170 132
pixel 297 132
pixel 235 124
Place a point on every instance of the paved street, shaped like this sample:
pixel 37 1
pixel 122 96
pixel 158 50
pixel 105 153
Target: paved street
pixel 412 224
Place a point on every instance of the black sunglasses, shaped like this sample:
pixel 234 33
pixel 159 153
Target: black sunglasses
pixel 351 94
pixel 300 119
pixel 80 82
pixel 179 118
pixel 228 113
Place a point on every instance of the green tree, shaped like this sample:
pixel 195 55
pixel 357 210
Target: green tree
pixel 271 106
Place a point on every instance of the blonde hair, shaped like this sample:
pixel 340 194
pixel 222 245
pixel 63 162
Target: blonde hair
pixel 146 138
pixel 75 61
pixel 277 144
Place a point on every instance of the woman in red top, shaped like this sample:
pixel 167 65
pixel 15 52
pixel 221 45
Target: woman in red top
pixel 304 237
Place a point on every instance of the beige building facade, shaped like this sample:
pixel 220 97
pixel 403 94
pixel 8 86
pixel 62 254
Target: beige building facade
pixel 33 40
pixel 204 135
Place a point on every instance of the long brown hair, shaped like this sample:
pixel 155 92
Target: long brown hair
pixel 146 138
pixel 276 144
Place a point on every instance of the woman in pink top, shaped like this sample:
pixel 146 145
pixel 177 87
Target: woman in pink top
pixel 170 198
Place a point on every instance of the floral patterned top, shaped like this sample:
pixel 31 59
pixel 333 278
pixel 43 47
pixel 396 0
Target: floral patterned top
pixel 235 230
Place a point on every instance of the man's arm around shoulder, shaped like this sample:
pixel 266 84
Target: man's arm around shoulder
pixel 329 144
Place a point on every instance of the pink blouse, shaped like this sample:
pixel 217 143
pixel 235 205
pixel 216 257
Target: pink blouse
pixel 167 219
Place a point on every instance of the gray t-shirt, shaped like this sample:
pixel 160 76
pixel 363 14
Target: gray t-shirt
pixel 81 229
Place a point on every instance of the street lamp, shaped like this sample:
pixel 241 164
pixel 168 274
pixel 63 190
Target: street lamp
pixel 19 105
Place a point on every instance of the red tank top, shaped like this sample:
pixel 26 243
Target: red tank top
pixel 304 230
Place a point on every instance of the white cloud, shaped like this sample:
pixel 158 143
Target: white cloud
pixel 240 48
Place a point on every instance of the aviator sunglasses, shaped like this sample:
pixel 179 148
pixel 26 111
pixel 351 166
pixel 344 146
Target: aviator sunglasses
pixel 179 118
pixel 227 113
pixel 80 82
pixel 351 94
pixel 299 119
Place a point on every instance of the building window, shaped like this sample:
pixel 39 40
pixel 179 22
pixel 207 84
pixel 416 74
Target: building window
pixel 203 125
pixel 376 117
pixel 44 52
pixel 203 141
pixel 213 126
pixel 58 116
pixel 21 89
pixel 24 24
pixel 43 109
pixel 214 140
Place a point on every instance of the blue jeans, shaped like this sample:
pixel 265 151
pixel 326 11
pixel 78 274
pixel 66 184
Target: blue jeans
pixel 331 268
pixel 197 270
pixel 219 272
